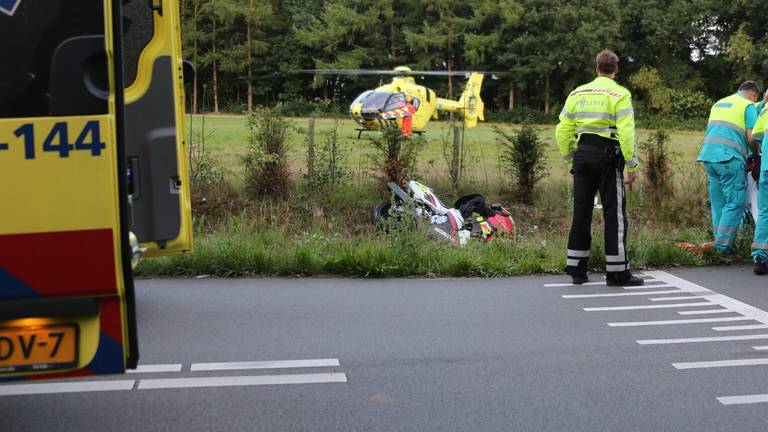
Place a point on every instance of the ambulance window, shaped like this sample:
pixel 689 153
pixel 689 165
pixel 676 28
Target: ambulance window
pixel 138 30
pixel 55 64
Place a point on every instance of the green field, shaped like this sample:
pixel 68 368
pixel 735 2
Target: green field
pixel 226 137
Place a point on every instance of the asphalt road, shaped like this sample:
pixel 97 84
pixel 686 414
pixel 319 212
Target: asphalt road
pixel 430 355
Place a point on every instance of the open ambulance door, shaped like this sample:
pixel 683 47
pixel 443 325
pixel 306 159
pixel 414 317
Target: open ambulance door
pixel 156 145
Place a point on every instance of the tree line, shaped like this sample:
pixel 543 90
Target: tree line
pixel 676 55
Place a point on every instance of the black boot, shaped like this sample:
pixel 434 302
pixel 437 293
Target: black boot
pixel 579 279
pixel 760 268
pixel 624 278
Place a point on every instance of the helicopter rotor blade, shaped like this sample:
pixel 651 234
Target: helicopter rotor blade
pixel 346 72
pixel 493 75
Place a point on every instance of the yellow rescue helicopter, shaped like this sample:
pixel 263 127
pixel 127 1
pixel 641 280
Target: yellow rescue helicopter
pixel 387 105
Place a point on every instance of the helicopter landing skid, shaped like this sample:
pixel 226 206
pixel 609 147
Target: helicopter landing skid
pixel 361 130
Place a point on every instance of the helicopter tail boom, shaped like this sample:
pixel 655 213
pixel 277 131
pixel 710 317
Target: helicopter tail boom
pixel 470 105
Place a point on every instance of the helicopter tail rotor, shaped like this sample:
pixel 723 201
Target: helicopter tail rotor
pixel 472 107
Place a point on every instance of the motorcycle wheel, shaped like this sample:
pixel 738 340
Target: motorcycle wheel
pixel 381 212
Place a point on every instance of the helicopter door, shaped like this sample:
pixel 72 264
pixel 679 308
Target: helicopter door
pixel 154 117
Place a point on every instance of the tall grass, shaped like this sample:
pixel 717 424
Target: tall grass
pixel 239 251
pixel 322 230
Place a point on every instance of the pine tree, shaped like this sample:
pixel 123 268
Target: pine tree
pixel 346 35
pixel 245 23
pixel 438 41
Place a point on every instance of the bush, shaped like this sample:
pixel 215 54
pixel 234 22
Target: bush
pixel 395 155
pixel 673 193
pixel 326 167
pixel 647 120
pixel 657 170
pixel 658 99
pixel 455 152
pixel 205 171
pixel 299 107
pixel 690 104
pixel 210 192
pixel 266 158
pixel 523 157
pixel 647 82
pixel 521 115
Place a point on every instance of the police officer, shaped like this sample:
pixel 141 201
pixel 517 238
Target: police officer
pixel 727 143
pixel 596 135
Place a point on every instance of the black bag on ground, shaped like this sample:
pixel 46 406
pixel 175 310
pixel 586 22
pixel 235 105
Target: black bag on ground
pixel 474 203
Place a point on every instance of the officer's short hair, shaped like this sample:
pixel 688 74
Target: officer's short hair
pixel 607 62
pixel 749 86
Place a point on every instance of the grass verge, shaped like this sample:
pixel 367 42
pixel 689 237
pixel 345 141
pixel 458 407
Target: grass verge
pixel 234 253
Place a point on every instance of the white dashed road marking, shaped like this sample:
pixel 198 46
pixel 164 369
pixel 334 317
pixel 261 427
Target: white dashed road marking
pixel 742 400
pixel 673 322
pixel 656 306
pixel 706 297
pixel 64 387
pixel 189 382
pixel 688 297
pixel 706 312
pixel 721 363
pixel 744 327
pixel 702 339
pixel 156 368
pixel 283 364
pixel 646 286
pixel 621 294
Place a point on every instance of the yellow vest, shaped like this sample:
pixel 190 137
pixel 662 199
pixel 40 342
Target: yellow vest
pixel 726 136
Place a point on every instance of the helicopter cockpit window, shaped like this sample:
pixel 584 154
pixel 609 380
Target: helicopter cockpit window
pixel 48 48
pixel 361 98
pixel 416 102
pixel 397 100
pixel 376 101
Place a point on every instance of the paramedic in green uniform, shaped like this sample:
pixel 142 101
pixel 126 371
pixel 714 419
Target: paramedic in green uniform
pixel 727 143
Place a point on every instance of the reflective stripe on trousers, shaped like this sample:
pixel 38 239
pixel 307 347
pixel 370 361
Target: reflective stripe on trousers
pixel 726 184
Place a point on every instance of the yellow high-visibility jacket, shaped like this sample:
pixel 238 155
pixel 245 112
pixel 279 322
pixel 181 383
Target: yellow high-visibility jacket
pixel 600 107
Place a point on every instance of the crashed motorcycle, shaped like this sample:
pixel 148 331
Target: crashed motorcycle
pixel 469 218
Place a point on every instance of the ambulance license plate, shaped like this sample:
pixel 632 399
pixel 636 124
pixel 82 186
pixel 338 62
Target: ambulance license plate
pixel 37 348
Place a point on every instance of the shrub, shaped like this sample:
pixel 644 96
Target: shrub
pixel 265 160
pixel 210 192
pixel 666 201
pixel 659 99
pixel 521 115
pixel 523 157
pixel 648 82
pixel 657 170
pixel 298 107
pixel 690 104
pixel 204 170
pixel 647 120
pixel 395 155
pixel 326 167
pixel 455 154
